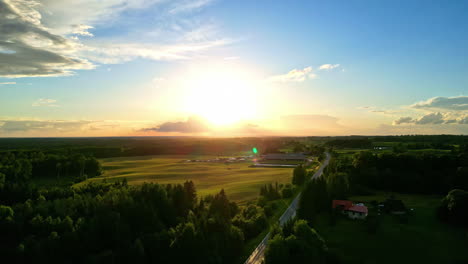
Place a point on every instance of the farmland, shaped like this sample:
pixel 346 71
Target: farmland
pixel 241 182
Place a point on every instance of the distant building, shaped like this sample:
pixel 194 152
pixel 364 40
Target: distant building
pixel 281 156
pixel 381 147
pixel 353 211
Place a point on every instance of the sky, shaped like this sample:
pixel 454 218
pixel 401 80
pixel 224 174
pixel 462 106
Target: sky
pixel 232 68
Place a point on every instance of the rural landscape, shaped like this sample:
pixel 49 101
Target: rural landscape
pixel 215 205
pixel 233 132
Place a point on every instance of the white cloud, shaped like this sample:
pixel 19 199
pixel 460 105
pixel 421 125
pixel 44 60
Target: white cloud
pixel 82 30
pixel 403 120
pixel 45 102
pixel 41 38
pixel 294 76
pixel 432 118
pixel 328 67
pixel 7 83
pixel 439 111
pixel 31 50
pixel 457 103
pixel 436 118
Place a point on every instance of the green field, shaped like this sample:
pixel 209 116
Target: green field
pixel 422 240
pixel 241 182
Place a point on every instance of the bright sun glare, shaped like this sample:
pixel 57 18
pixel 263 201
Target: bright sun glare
pixel 222 96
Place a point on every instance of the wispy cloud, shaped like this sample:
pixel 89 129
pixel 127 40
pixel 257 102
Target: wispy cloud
pixel 328 67
pixel 294 75
pixel 189 6
pixel 44 125
pixel 45 102
pixel 110 53
pixel 7 83
pixel 365 107
pixel 384 112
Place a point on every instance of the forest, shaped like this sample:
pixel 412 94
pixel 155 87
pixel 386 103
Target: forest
pixel 150 223
pixel 115 222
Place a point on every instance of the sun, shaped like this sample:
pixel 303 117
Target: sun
pixel 221 95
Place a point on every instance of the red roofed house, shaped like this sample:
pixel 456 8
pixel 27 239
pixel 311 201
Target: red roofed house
pixel 354 211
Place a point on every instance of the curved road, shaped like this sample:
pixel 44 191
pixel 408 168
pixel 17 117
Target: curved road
pixel 257 255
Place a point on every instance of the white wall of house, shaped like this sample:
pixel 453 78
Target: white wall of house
pixel 356 215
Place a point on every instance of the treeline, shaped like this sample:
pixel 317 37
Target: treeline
pixel 411 142
pixel 417 174
pixel 422 173
pixel 438 139
pixel 19 170
pixel 143 146
pixel 21 166
pixel 434 145
pixel 117 223
pixel 140 146
pixel 350 143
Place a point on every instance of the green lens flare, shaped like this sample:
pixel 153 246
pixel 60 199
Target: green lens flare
pixel 255 150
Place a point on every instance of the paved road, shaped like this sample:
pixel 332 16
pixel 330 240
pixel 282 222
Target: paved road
pixel 257 255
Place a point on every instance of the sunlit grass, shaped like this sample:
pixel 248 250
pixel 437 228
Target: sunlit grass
pixel 241 182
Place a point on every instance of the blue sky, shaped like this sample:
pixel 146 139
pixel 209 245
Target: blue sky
pixel 213 67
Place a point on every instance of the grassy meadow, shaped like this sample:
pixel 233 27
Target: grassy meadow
pixel 422 240
pixel 241 182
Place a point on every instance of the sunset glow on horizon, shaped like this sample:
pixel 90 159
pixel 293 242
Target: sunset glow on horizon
pixel 222 68
pixel 222 96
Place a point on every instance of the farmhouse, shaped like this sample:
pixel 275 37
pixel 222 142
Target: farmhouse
pixel 353 211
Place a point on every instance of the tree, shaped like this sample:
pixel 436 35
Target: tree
pixel 314 199
pixel 287 192
pixel 191 194
pixel 59 168
pixel 187 240
pixel 6 213
pixel 221 208
pixel 454 207
pixel 2 180
pixel 251 220
pixel 338 185
pixel 302 245
pixel 82 163
pixel 363 159
pixel 299 175
pixel 269 192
